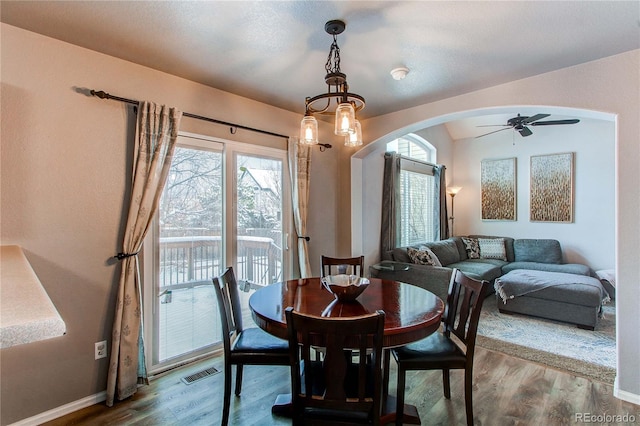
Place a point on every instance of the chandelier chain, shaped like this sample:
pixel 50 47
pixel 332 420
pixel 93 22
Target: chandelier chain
pixel 333 60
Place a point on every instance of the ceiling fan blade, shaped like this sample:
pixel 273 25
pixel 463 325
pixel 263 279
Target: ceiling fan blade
pixel 493 125
pixel 534 118
pixel 495 131
pixel 553 122
pixel 525 132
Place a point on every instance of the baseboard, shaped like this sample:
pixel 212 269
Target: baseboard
pixel 624 395
pixel 63 410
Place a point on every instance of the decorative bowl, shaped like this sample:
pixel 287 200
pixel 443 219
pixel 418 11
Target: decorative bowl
pixel 344 287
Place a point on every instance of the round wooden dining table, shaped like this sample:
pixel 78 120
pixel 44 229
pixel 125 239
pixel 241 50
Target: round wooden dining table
pixel 411 313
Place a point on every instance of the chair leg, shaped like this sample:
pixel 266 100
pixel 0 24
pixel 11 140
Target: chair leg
pixel 238 379
pixel 385 374
pixel 227 394
pixel 445 383
pixel 468 392
pixel 400 395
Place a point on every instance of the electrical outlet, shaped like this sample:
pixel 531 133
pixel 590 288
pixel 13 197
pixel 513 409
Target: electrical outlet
pixel 101 349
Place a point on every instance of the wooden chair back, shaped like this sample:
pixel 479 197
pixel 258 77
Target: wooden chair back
pixel 462 310
pixel 341 387
pixel 226 289
pixel 347 265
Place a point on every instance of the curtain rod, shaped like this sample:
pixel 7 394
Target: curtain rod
pixel 415 160
pixel 103 95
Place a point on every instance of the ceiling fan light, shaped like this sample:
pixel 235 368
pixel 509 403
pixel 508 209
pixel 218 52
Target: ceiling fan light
pixel 345 119
pixel 309 130
pixel 355 138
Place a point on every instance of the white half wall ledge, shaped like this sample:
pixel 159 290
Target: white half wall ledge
pixel 27 314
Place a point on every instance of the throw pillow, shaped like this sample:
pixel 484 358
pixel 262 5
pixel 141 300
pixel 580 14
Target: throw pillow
pixel 492 248
pixel 472 247
pixel 423 256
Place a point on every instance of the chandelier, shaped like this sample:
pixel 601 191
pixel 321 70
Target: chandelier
pixel 347 104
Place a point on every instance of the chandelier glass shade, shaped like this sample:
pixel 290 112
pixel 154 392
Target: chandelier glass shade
pixel 346 104
pixel 309 130
pixel 345 119
pixel 355 138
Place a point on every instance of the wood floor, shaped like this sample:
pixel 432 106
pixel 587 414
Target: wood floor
pixel 506 391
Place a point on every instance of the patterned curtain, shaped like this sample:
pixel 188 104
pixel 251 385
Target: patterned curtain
pixel 156 134
pixel 390 229
pixel 299 171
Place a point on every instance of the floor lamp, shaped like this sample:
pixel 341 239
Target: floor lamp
pixel 452 190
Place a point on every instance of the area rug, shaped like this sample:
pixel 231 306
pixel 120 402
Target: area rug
pixel 591 354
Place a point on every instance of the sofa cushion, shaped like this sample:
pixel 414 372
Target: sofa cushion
pixel 400 255
pixel 562 287
pixel 446 251
pixel 492 248
pixel 508 244
pixel 479 270
pixel 472 247
pixel 423 256
pixel 567 268
pixel 537 250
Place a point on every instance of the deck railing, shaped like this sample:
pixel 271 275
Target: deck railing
pixel 186 262
pixel 188 310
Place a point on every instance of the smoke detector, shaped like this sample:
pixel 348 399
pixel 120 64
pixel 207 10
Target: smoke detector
pixel 399 73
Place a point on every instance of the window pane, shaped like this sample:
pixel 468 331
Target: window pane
pixel 413 146
pixel 190 253
pixel 417 208
pixel 259 219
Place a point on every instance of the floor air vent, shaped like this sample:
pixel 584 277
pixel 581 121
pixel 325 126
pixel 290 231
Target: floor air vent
pixel 199 375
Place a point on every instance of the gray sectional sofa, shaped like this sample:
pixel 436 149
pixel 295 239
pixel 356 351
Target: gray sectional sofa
pixel 544 255
pixel 531 254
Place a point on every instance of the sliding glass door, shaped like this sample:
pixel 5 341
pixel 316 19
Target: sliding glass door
pixel 223 205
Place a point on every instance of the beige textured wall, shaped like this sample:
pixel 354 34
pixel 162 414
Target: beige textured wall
pixel 65 170
pixel 611 86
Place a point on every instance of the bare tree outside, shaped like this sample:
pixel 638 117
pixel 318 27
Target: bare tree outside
pixel 192 199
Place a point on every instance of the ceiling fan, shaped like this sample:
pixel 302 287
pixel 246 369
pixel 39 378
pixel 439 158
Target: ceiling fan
pixel 520 124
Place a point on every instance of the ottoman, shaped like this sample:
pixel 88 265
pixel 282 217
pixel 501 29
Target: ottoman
pixel 559 296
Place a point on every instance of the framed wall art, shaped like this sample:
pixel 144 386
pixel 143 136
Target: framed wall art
pixel 498 189
pixel 551 188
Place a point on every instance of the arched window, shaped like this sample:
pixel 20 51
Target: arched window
pixel 419 199
pixel 413 146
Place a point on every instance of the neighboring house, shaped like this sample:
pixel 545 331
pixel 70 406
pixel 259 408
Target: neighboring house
pixel 265 193
pixel 66 164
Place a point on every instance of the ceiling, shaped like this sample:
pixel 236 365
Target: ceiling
pixel 275 51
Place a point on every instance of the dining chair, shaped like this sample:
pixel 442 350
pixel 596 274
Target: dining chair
pixel 346 265
pixel 440 351
pixel 242 346
pixel 340 389
pixel 337 265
